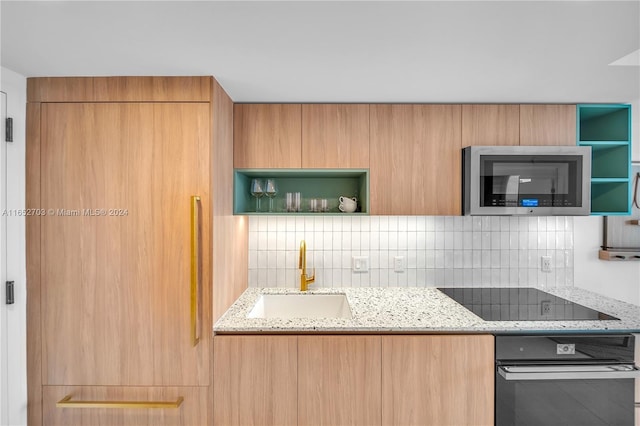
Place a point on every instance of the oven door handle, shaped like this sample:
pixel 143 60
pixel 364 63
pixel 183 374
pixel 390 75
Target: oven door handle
pixel 569 372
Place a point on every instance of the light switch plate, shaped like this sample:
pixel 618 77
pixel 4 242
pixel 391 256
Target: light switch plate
pixel 360 263
pixel 398 264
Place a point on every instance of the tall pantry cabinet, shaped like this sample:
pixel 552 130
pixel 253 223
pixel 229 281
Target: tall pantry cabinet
pixel 120 253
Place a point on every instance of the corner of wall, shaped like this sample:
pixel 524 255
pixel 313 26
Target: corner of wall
pixel 15 86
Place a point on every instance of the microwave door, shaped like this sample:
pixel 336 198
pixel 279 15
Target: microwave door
pixel 508 187
pixel 507 183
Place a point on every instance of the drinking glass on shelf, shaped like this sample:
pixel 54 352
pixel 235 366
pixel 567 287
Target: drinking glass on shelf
pixel 257 190
pixel 271 189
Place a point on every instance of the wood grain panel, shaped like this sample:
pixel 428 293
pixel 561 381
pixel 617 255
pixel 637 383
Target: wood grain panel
pixel 230 233
pixel 255 380
pixel 637 391
pixel 119 89
pixel 547 125
pixel 117 291
pixel 339 380
pixel 267 135
pixel 335 136
pixel 192 412
pixel 437 380
pixel 415 159
pixel 492 125
pixel 33 224
pixel 181 135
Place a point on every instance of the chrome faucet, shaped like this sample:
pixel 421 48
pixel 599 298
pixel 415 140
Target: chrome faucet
pixel 305 280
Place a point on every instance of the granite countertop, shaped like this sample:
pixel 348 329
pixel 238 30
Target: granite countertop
pixel 419 310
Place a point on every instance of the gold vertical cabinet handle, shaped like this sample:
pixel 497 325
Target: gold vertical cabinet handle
pixel 66 402
pixel 196 267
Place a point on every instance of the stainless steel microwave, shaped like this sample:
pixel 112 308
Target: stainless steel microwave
pixel 526 180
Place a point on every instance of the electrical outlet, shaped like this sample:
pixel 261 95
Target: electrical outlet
pixel 545 264
pixel 360 263
pixel 398 264
pixel 545 307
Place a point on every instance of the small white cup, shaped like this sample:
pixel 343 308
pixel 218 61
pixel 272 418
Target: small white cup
pixel 348 205
pixel 346 209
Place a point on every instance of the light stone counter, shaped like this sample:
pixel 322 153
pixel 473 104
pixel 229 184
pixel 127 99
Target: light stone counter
pixel 419 310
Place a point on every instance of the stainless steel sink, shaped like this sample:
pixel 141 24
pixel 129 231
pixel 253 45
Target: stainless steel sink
pixel 301 306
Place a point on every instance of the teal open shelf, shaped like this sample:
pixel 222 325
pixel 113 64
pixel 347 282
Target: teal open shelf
pixel 610 198
pixel 606 128
pixel 606 122
pixel 311 183
pixel 609 160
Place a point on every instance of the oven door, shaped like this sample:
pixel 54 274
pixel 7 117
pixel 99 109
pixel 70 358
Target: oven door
pixel 566 395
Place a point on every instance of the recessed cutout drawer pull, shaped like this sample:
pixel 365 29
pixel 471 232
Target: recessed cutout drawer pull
pixel 66 402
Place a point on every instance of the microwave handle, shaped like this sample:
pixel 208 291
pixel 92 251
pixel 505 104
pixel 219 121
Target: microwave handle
pixel 569 372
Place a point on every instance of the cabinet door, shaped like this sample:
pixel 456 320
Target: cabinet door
pixel 547 124
pixel 255 380
pixel 437 380
pixel 491 125
pixel 339 380
pixel 335 136
pixel 415 159
pixel 267 136
pixel 192 410
pixel 116 302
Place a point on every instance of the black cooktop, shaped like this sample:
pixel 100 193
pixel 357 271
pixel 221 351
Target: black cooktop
pixel 521 304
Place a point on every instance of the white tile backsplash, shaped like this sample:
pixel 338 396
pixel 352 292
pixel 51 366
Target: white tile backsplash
pixel 438 250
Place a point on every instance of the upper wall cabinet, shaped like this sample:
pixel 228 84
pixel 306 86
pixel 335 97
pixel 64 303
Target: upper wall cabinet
pixel 606 128
pixel 415 159
pixel 490 125
pixel 335 136
pixel 547 125
pixel 267 136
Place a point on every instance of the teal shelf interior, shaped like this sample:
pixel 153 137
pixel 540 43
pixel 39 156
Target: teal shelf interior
pixel 606 128
pixel 311 183
pixel 609 160
pixel 610 198
pixel 603 123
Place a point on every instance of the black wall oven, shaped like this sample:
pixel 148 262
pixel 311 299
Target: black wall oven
pixel 565 380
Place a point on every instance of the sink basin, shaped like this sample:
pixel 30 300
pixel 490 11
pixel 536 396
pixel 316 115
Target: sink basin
pixel 301 306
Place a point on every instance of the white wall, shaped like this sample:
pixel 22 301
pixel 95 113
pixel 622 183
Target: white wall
pixel 635 130
pixel 16 320
pixel 620 280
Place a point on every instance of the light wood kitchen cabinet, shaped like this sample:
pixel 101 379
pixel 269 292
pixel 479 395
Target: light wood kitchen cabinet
pixel 188 406
pixel 353 380
pixel 339 380
pixel 415 159
pixel 547 125
pixel 637 387
pixel 118 282
pixel 119 269
pixel 437 380
pixel 255 380
pixel 335 136
pixel 267 136
pixel 490 125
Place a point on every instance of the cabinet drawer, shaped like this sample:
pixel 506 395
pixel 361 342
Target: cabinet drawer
pixel 114 405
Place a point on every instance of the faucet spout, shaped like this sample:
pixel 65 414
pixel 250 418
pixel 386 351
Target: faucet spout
pixel 305 280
